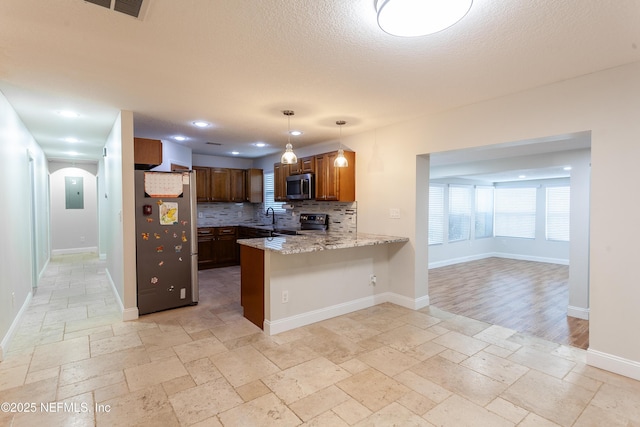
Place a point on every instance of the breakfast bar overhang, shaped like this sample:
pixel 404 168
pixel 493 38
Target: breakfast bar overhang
pixel 292 281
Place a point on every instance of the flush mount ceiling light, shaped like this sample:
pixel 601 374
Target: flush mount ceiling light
pixel 180 138
pixel 340 161
pixel 288 157
pixel 412 18
pixel 69 114
pixel 201 124
pixel 295 132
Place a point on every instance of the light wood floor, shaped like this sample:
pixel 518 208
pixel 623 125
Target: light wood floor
pixel 530 297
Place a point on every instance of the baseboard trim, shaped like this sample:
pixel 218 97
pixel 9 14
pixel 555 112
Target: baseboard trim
pixel 578 312
pixel 615 364
pixel 91 249
pixel 560 261
pixel 403 301
pixel 6 341
pixel 453 261
pixel 127 314
pixel 292 322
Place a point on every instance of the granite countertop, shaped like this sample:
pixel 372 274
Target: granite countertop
pixel 287 245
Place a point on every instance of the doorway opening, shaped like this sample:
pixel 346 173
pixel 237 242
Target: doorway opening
pixel 508 228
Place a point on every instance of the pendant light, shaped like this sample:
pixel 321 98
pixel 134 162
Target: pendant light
pixel 340 161
pixel 288 157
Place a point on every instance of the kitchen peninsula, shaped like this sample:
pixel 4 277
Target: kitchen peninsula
pixel 292 281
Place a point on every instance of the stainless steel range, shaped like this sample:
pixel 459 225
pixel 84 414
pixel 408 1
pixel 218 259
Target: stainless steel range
pixel 309 223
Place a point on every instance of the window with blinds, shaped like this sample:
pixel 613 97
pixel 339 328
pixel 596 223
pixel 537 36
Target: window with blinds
pixel 515 212
pixel 557 216
pixel 460 210
pixel 269 194
pixel 436 214
pixel 484 212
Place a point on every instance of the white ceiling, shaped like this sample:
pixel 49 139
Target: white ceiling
pixel 237 64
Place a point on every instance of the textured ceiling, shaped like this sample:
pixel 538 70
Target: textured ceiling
pixel 237 64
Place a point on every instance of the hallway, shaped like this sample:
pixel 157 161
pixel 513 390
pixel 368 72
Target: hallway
pixel 207 366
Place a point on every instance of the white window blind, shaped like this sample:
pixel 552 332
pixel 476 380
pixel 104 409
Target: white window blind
pixel 484 212
pixel 269 194
pixel 436 214
pixel 515 212
pixel 557 218
pixel 459 213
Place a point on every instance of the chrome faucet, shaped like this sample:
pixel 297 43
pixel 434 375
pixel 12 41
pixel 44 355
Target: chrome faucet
pixel 273 215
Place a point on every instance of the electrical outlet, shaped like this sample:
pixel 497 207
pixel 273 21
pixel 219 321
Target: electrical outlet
pixel 239 214
pixel 82 239
pixel 200 215
pixel 373 279
pixel 13 299
pixel 285 297
pixel 394 213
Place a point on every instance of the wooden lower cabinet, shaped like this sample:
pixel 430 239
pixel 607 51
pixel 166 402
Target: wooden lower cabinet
pixel 252 284
pixel 217 247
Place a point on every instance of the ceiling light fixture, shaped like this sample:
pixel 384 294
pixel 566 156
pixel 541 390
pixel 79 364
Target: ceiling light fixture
pixel 413 18
pixel 71 139
pixel 288 157
pixel 260 144
pixel 201 124
pixel 295 132
pixel 340 161
pixel 235 153
pixel 69 114
pixel 180 138
pixel 566 168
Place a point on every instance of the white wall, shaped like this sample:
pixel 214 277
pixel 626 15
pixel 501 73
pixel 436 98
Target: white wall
pixel 605 103
pixel 118 233
pixel 222 162
pixel 73 230
pixel 173 153
pixel 24 249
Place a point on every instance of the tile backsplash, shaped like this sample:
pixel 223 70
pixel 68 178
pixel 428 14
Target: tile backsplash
pixel 342 216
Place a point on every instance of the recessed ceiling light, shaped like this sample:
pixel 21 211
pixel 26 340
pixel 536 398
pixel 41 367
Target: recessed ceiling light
pixel 201 124
pixel 566 168
pixel 235 153
pixel 68 113
pixel 260 144
pixel 73 153
pixel 180 138
pixel 522 176
pixel 71 139
pixel 296 132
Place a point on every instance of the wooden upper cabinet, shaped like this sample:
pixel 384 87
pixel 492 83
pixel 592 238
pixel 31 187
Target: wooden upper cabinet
pixel 308 164
pixel 220 185
pixel 238 179
pixel 228 185
pixel 294 168
pixel 147 153
pixel 280 173
pixel 335 184
pixel 203 183
pixel 254 186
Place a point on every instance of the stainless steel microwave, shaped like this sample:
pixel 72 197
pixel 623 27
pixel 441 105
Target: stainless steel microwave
pixel 301 187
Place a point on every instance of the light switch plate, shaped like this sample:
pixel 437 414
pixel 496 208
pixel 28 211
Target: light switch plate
pixel 394 213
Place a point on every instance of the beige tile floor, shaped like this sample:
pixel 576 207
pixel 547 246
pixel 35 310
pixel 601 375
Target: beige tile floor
pixel 207 366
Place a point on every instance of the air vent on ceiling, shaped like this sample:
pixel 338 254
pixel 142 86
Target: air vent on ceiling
pixel 214 143
pixel 128 7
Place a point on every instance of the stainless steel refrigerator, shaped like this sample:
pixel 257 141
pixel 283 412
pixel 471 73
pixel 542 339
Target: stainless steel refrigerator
pixel 166 240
